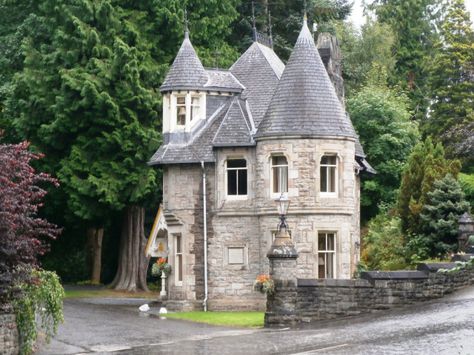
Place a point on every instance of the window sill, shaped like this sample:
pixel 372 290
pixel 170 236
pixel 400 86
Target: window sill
pixel 328 194
pixel 236 197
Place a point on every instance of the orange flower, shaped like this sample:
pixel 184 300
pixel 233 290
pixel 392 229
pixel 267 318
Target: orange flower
pixel 263 278
pixel 161 261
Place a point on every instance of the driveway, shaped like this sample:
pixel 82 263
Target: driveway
pixel 105 326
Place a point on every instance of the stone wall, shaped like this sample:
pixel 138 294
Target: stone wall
pixel 328 299
pixel 8 335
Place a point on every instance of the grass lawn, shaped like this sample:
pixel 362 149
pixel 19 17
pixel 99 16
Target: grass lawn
pixel 235 319
pixel 107 293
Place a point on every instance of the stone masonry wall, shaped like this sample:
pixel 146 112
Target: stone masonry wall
pixel 328 299
pixel 8 335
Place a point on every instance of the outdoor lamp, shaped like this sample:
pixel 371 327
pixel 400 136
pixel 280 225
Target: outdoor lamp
pixel 283 203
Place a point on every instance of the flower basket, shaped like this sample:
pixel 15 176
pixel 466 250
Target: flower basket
pixel 161 267
pixel 264 284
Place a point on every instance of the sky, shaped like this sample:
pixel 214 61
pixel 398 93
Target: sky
pixel 358 20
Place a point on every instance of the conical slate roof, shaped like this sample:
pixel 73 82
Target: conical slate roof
pixel 187 71
pixel 305 102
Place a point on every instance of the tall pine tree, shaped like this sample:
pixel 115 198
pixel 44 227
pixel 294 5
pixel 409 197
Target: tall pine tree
pixel 451 117
pixel 414 24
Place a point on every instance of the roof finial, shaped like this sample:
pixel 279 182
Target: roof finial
pixel 305 16
pixel 186 28
pixel 254 27
pixel 270 36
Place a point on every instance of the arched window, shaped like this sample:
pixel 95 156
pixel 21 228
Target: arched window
pixel 279 167
pixel 328 170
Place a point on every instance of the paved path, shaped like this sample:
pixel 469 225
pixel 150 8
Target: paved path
pixel 445 326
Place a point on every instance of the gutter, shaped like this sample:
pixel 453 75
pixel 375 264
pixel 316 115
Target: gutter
pixel 204 302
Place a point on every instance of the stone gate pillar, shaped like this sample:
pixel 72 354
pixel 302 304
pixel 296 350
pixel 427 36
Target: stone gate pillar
pixel 281 306
pixel 465 230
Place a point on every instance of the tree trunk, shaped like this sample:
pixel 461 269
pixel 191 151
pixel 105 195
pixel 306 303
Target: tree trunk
pixel 94 243
pixel 132 264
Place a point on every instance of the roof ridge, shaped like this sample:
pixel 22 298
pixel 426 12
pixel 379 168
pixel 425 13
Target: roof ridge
pixel 210 120
pixel 226 115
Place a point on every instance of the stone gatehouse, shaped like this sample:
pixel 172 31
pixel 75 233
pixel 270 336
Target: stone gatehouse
pixel 233 142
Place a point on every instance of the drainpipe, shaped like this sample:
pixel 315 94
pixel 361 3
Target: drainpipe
pixel 205 234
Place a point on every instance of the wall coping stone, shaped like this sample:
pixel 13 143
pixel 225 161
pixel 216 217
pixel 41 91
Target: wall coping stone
pixel 332 282
pixel 434 267
pixel 393 275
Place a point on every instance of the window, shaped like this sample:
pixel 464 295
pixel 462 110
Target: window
pixel 178 259
pixel 328 174
pixel 236 177
pixel 279 174
pixel 326 255
pixel 235 255
pixel 181 110
pixel 194 107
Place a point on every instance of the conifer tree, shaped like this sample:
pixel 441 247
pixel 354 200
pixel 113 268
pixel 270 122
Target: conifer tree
pixel 425 165
pixel 414 24
pixel 451 117
pixel 440 214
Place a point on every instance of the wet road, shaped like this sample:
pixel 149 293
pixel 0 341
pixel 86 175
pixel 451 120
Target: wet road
pixel 444 326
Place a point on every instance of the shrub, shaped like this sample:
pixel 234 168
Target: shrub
pixel 41 299
pixel 383 247
pixel 22 232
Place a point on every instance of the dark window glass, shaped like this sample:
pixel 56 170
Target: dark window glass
pixel 236 163
pixel 236 177
pixel 232 182
pixel 242 186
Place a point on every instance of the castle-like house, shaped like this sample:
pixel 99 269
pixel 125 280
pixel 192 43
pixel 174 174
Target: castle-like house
pixel 234 141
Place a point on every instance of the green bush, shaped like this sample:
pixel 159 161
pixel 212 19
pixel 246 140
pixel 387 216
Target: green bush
pixel 383 247
pixel 39 307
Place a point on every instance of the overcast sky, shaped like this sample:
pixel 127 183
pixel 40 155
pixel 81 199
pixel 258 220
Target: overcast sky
pixel 358 20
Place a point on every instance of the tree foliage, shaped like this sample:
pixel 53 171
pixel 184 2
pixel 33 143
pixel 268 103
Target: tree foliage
pixel 383 246
pixel 440 214
pixel 286 18
pixel 23 234
pixel 382 120
pixel 451 85
pixel 425 165
pixel 366 56
pixel 414 25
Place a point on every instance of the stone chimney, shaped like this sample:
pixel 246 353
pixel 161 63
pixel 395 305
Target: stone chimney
pixel 330 52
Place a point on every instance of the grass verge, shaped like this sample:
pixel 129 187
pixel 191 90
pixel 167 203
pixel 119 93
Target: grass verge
pixel 234 319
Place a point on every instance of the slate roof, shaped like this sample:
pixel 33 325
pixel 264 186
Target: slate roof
pixel 305 102
pixel 222 80
pixel 235 129
pixel 259 69
pixel 187 71
pixel 199 148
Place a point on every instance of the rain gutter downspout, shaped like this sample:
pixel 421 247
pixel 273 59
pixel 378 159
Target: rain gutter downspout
pixel 204 302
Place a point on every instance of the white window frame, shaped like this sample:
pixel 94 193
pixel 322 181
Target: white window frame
pixel 194 108
pixel 178 259
pixel 185 105
pixel 237 196
pixel 279 167
pixel 336 175
pixel 326 252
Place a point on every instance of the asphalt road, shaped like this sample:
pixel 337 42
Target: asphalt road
pixel 108 326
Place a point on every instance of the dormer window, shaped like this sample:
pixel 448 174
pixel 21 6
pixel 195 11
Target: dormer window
pixel 328 168
pixel 279 167
pixel 181 110
pixel 194 107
